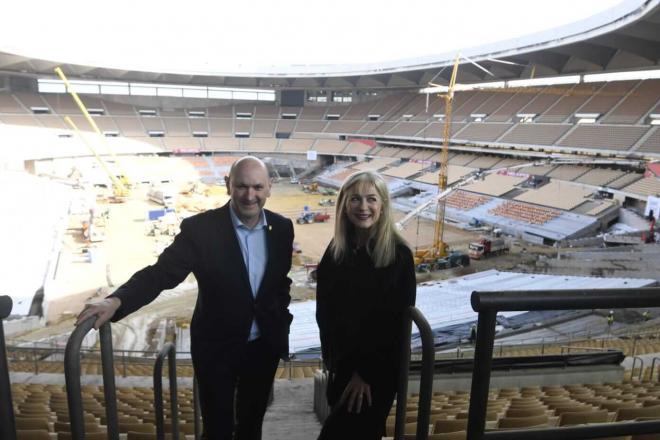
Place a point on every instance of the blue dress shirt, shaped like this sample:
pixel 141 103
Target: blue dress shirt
pixel 255 255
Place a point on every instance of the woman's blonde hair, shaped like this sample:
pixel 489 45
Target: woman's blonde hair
pixel 383 236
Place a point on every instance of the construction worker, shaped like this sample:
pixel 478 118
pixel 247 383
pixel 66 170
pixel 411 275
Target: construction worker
pixel 610 318
pixel 646 315
pixel 473 334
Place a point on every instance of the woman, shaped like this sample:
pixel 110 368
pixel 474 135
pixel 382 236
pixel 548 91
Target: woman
pixel 365 282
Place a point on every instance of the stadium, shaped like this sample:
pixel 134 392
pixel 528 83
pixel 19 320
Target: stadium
pixel 537 157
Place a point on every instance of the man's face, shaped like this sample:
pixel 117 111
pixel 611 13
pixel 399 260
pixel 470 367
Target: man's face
pixel 249 188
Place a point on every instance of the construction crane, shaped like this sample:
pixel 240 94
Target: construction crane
pixel 120 184
pixel 119 189
pixel 439 248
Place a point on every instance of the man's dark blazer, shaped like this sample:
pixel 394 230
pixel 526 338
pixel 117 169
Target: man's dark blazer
pixel 207 246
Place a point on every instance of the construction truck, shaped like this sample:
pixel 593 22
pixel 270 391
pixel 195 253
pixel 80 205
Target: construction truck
pixel 162 196
pixel 487 246
pixel 453 259
pixel 312 217
pixel 311 188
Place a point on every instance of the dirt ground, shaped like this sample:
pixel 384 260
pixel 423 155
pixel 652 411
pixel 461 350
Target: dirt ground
pixel 127 248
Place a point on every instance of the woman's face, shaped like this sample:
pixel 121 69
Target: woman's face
pixel 363 205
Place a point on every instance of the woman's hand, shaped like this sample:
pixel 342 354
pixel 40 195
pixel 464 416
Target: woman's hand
pixel 354 393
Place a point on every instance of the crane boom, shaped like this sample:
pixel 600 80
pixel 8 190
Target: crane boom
pixel 123 180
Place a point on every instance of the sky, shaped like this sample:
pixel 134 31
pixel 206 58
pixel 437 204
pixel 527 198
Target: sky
pixel 203 36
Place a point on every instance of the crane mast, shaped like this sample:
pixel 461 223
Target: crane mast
pixel 439 248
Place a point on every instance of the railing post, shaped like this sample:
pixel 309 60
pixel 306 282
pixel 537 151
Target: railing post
pixel 653 369
pixel 196 409
pixel 72 378
pixel 426 377
pixel 168 350
pixel 483 360
pixel 7 425
pixel 488 304
pixel 402 389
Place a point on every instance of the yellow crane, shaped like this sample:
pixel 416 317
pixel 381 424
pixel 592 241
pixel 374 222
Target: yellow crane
pixel 120 184
pixel 439 248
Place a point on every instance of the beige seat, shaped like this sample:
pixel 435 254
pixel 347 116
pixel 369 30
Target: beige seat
pixel 634 413
pixel 137 427
pixel 580 418
pixel 32 423
pixel 458 435
pixel 101 435
pixel 444 426
pixel 66 427
pixel 148 436
pixel 32 434
pixel 526 412
pixel 522 422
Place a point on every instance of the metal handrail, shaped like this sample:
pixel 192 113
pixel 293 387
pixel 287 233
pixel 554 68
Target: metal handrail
pixel 653 369
pixel 487 304
pixel 7 425
pixel 197 410
pixel 168 350
pixel 569 347
pixel 426 379
pixel 641 368
pixel 72 378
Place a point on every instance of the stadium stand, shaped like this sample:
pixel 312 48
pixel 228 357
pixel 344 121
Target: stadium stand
pixel 405 153
pixel 258 144
pixel 636 105
pixel 405 170
pixel 264 128
pixel 540 103
pixel 535 134
pixel 465 201
pixel 454 173
pixel 375 164
pixel 557 194
pixel 652 142
pixel 603 137
pixel 329 146
pixel 607 97
pixel 221 127
pixel 485 162
pixel 343 126
pixel 525 212
pixel 406 129
pixel 567 172
pixel 495 184
pixel 564 108
pixel 512 107
pixel 538 170
pixel 291 145
pixel 356 148
pixel 484 131
pixel 600 176
pixel 648 186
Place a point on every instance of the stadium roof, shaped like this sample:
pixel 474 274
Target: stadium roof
pixel 625 37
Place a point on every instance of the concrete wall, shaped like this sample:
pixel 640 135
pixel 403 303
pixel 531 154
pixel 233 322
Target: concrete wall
pixel 21 325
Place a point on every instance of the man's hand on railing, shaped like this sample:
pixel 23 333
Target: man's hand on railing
pixel 103 310
pixel 354 393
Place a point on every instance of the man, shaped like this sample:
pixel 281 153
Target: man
pixel 240 254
